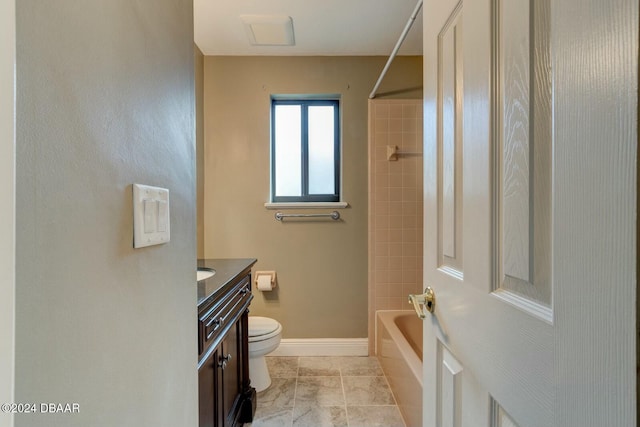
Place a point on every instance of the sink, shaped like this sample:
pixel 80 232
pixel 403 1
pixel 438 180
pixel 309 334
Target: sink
pixel 204 273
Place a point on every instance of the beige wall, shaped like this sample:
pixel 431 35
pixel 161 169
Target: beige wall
pixel 395 205
pixel 321 266
pixel 199 85
pixel 7 205
pixel 105 98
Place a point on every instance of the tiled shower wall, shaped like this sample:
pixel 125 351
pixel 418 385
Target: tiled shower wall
pixel 395 205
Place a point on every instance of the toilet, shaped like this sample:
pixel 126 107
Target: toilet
pixel 264 337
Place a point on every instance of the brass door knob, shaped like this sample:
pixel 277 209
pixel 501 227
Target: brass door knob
pixel 428 300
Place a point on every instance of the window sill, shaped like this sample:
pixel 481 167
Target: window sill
pixel 307 205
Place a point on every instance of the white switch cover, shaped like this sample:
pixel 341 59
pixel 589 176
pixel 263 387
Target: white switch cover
pixel 151 225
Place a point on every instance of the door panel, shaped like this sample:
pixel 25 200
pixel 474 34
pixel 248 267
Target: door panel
pixel 450 144
pixel 499 418
pixel 450 389
pixel 522 131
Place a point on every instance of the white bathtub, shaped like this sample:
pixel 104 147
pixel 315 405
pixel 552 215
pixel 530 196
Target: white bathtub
pixel 399 350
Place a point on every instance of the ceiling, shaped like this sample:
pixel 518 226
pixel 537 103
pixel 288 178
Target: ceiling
pixel 321 27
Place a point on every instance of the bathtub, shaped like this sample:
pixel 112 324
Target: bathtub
pixel 399 350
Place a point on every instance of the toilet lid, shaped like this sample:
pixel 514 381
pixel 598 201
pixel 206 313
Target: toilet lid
pixel 259 326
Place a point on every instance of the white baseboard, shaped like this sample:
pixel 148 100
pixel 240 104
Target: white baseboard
pixel 322 347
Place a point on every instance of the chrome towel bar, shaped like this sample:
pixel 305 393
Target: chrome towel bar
pixel 335 215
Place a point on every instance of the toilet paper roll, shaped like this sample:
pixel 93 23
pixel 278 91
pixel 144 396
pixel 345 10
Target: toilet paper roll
pixel 264 283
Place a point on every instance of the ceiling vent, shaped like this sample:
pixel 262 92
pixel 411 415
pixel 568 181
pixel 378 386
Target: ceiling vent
pixel 269 30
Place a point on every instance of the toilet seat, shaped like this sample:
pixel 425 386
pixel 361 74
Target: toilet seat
pixel 263 328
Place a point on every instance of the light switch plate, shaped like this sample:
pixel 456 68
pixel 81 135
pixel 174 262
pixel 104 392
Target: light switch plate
pixel 151 225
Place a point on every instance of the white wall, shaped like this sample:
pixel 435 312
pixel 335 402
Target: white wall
pixel 7 205
pixel 105 98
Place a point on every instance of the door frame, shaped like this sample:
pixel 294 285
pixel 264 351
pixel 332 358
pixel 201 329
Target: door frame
pixel 7 205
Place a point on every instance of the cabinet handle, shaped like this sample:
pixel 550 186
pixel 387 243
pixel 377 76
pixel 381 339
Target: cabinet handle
pixel 215 322
pixel 222 362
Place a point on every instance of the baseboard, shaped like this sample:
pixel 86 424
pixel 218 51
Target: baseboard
pixel 322 347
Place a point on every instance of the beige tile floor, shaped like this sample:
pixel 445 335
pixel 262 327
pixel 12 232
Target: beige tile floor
pixel 326 391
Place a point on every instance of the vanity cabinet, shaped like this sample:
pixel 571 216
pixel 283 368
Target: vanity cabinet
pixel 220 384
pixel 226 398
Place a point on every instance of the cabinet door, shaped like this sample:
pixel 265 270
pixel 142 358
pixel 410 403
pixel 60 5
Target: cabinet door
pixel 231 376
pixel 208 391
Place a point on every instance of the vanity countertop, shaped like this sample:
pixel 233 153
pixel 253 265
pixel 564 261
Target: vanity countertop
pixel 226 271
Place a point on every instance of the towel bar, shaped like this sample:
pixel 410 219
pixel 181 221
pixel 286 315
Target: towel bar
pixel 335 215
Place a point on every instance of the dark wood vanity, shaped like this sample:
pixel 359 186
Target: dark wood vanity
pixel 226 398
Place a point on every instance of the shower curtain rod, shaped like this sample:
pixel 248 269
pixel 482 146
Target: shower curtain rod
pixel 397 47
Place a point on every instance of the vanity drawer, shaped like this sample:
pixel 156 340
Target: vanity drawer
pixel 215 319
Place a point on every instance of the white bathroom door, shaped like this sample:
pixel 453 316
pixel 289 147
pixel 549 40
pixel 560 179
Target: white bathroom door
pixel 530 196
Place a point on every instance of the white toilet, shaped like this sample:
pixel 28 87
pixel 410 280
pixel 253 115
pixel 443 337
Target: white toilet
pixel 264 337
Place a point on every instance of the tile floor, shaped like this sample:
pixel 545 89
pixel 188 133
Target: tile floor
pixel 326 391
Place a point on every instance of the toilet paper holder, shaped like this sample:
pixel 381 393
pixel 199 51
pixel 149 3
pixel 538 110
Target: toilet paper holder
pixel 271 274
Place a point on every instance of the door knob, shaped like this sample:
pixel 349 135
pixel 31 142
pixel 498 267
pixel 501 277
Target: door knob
pixel 428 300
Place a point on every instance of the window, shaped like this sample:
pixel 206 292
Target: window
pixel 305 150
